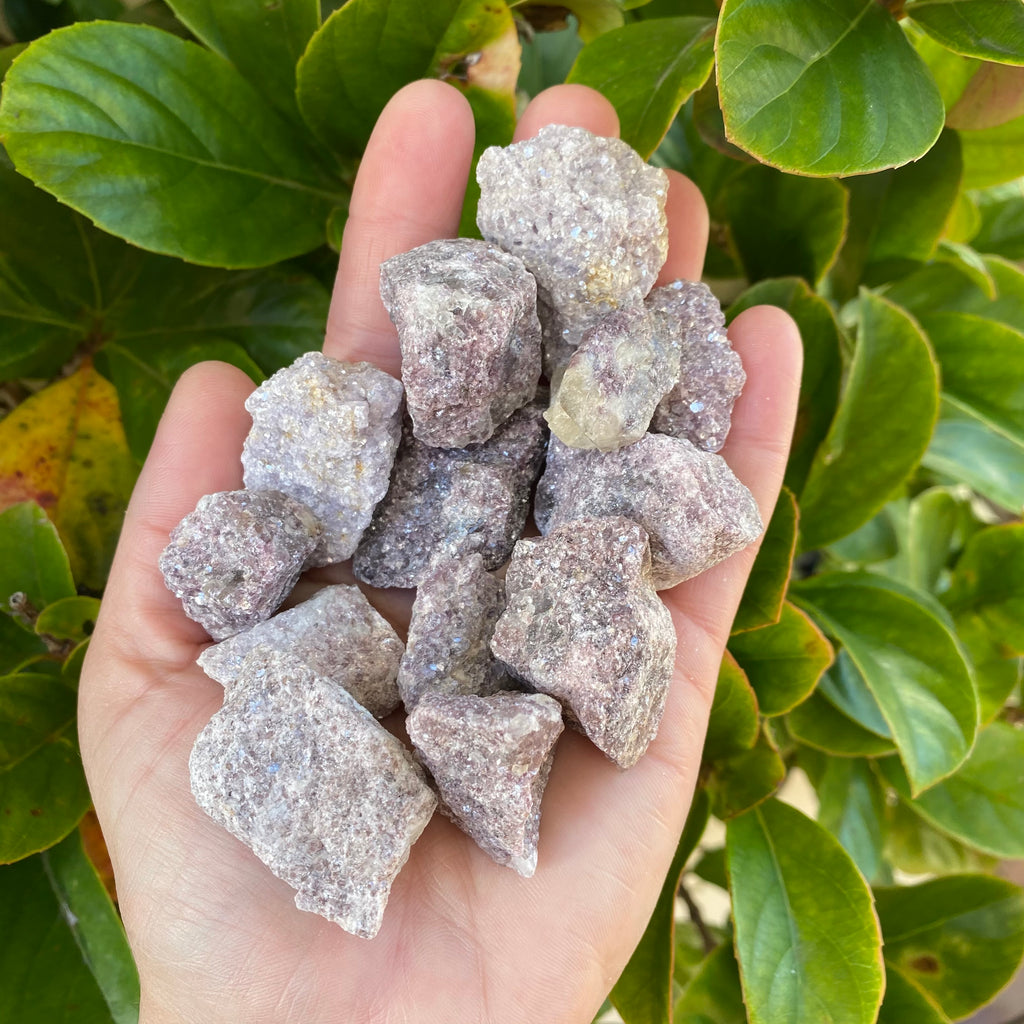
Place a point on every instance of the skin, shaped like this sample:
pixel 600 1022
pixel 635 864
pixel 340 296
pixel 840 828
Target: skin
pixel 217 938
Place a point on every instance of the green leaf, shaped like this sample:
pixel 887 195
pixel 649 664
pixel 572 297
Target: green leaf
pixel 881 429
pixel 42 787
pixel 7 55
pixel 648 70
pixel 746 779
pixel 711 867
pixel 32 559
pixel 904 1003
pixel 843 72
pixel 994 95
pixel 547 59
pixel 852 808
pixel 914 846
pixel 204 170
pixel 1002 220
pixel 643 993
pixel 874 542
pixel 951 71
pixel 592 16
pixel 932 523
pixel 819 384
pixel 998 669
pixel 783 225
pixel 263 40
pixel 765 592
pixel 983 803
pixel 989 29
pixel 734 724
pixel 909 660
pixel 845 687
pixel 783 661
pixel 820 725
pixel 18 647
pixel 994 155
pixel 71 618
pixel 807 939
pixel 714 993
pixel 959 938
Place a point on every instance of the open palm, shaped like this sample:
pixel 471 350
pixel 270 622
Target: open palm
pixel 217 938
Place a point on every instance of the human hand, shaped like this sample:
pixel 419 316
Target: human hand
pixel 216 936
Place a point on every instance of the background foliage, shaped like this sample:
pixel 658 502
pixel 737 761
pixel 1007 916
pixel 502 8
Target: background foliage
pixel 863 165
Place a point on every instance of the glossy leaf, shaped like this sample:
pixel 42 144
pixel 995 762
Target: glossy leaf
pixel 845 687
pixel 734 724
pixel 746 779
pixel 952 72
pixel 65 448
pixel 643 993
pixel 807 940
pixel 989 29
pixel 714 992
pixel 881 429
pixel 910 662
pixel 1002 221
pixel 783 661
pixel 852 808
pixel 843 72
pixel 648 70
pixel 915 846
pixel 18 647
pixel 205 171
pixel 711 867
pixel 32 559
pixel 592 16
pixel 822 726
pixel 994 155
pixel 904 1002
pixel 42 787
pixel 547 59
pixel 998 668
pixel 932 523
pixel 71 618
pixel 958 938
pixel 765 591
pixel 993 96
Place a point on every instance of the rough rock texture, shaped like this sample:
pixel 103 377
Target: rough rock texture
pixel 326 797
pixel 237 556
pixel 325 432
pixel 693 508
pixel 337 633
pixel 490 758
pixel 466 315
pixel 559 338
pixel 584 213
pixel 449 646
pixel 614 380
pixel 711 377
pixel 448 502
pixel 583 623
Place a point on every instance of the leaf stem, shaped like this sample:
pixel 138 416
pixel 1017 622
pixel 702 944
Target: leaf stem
pixel 706 938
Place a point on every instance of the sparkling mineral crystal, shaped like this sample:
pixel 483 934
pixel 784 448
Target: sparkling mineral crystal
pixel 711 377
pixel 337 633
pixel 584 213
pixel 448 649
pixel 693 508
pixel 448 502
pixel 325 796
pixel 325 432
pixel 490 758
pixel 584 624
pixel 614 380
pixel 237 556
pixel 466 316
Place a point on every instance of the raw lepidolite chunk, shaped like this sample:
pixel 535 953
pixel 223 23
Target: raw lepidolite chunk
pixel 237 556
pixel 695 511
pixel 711 374
pixel 583 623
pixel 448 502
pixel 325 432
pixel 325 796
pixel 466 316
pixel 448 650
pixel 490 758
pixel 614 380
pixel 338 633
pixel 583 212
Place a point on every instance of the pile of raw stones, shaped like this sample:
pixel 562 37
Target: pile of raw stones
pixel 435 496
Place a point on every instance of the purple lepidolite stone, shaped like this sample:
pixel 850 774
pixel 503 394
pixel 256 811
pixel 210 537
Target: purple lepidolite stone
pixel 466 316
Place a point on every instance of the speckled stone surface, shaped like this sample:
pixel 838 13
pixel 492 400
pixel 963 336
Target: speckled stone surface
pixel 614 380
pixel 559 338
pixel 448 650
pixel 448 502
pixel 325 796
pixel 699 406
pixel 466 316
pixel 490 758
pixel 584 624
pixel 693 508
pixel 584 213
pixel 338 633
pixel 237 556
pixel 325 432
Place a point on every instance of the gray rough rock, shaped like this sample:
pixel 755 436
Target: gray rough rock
pixel 711 377
pixel 559 338
pixel 325 432
pixel 448 502
pixel 490 758
pixel 325 796
pixel 584 624
pixel 466 316
pixel 614 380
pixel 237 556
pixel 448 650
pixel 693 508
pixel 583 212
pixel 337 633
